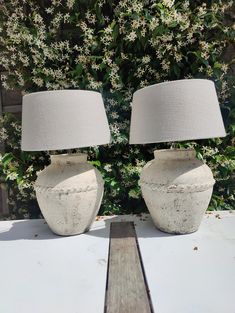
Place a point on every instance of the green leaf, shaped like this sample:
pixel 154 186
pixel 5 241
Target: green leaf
pixel 160 30
pixel 199 155
pixel 6 159
pixel 79 69
pixel 173 24
pixel 95 163
pixel 115 32
pixel 113 183
pixel 176 70
pixel 113 24
pixel 217 65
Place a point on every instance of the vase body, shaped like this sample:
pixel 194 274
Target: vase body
pixel 177 189
pixel 69 193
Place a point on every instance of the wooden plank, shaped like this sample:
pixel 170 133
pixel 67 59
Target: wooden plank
pixel 4 209
pixel 13 108
pixel 126 290
pixel 11 97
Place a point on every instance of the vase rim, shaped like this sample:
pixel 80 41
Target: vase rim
pixel 69 158
pixel 181 153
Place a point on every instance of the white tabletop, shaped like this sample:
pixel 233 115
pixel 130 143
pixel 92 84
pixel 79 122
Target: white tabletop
pixel 43 273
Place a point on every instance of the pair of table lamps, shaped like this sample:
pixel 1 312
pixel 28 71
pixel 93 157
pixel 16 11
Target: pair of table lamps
pixel 176 186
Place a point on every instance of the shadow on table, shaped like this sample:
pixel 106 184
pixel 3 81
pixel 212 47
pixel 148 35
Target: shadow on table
pixel 28 230
pixel 39 230
pixel 143 225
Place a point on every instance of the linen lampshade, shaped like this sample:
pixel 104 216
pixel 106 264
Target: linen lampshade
pixel 176 111
pixel 63 119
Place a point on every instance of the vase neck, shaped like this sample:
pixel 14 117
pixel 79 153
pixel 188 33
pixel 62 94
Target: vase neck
pixel 68 158
pixel 175 154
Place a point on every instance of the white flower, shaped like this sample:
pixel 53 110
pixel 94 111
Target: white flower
pixel 49 10
pixel 165 65
pixel 38 81
pixel 200 69
pixel 70 3
pixel 114 115
pixel 135 23
pixel 108 168
pixel 178 57
pixel 168 3
pixel 132 36
pixel 224 68
pixel 146 59
pixel 154 22
pixel 143 83
pixel 12 176
pixel 3 134
pixel 186 5
pixel 137 7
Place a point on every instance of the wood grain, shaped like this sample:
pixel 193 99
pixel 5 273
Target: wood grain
pixel 126 285
pixel 12 108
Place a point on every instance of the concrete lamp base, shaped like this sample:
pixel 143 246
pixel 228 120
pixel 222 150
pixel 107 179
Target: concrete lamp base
pixel 69 192
pixel 177 189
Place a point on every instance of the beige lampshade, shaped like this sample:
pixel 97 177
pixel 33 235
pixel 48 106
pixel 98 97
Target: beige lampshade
pixel 175 111
pixel 63 119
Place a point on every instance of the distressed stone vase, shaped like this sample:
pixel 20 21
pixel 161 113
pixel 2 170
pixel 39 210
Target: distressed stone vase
pixel 177 189
pixel 69 193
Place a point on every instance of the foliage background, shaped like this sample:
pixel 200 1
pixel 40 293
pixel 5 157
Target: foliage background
pixel 115 47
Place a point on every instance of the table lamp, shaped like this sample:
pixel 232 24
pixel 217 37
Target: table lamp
pixel 69 191
pixel 176 186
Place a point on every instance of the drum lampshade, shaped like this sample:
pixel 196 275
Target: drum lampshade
pixel 63 119
pixel 175 111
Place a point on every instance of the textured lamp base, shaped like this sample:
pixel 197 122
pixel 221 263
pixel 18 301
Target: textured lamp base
pixel 177 189
pixel 69 193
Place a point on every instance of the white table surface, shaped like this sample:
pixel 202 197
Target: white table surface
pixel 43 273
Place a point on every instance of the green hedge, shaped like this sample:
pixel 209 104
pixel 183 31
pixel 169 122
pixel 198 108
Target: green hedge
pixel 115 47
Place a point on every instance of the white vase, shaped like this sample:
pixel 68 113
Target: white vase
pixel 69 193
pixel 177 189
